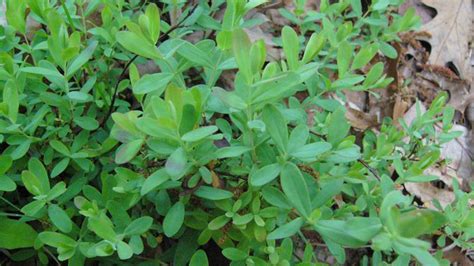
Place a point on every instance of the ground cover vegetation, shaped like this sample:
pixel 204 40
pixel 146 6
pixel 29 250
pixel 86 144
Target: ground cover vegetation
pixel 103 161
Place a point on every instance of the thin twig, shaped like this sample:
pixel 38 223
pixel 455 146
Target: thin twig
pixel 66 11
pixel 11 215
pixel 448 248
pixel 10 203
pixel 52 256
pixel 372 170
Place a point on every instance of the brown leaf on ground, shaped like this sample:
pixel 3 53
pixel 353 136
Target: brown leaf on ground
pixel 360 120
pixel 428 80
pixel 444 79
pixel 399 109
pixel 450 34
pixel 456 256
pixel 427 193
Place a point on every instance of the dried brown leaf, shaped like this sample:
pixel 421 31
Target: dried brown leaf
pixel 450 34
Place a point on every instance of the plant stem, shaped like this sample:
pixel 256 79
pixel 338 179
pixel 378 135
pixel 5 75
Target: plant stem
pixel 9 203
pixel 66 11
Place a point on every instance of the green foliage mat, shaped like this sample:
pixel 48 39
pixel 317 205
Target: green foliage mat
pixel 103 163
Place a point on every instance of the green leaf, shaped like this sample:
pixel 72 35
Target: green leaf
pixel 354 232
pixel 310 152
pixel 15 14
pixel 258 53
pixel 233 151
pixel 344 56
pixel 412 247
pixel 153 83
pixel 174 219
pixel 276 126
pixel 421 178
pixel 241 47
pixel 338 127
pixel 56 191
pixel 153 128
pixel 139 226
pixel 265 174
pixel 79 96
pixel 286 230
pixel 291 47
pixel 81 59
pixel 242 219
pixel 218 222
pixel 37 168
pixel 137 45
pixel 418 222
pixel 33 207
pixel 10 92
pixel 154 180
pixel 382 241
pixel 60 218
pixel 295 188
pixel 6 183
pixel 199 258
pixel 60 167
pixel 16 234
pixel 56 240
pixel 336 250
pixel 153 14
pixel 388 50
pixel 124 251
pixel 374 74
pixel 87 123
pixel 234 254
pixel 386 209
pixel 211 193
pixel 275 197
pixel 364 56
pixel 194 54
pixel 231 99
pixel 298 137
pixel 5 163
pixel 102 227
pixel 357 7
pixel 48 73
pixel 176 163
pixel 275 87
pixel 60 147
pixel 347 82
pixel 315 44
pixel 127 151
pixel 199 134
pixel 344 155
pixel 21 150
pixel 380 4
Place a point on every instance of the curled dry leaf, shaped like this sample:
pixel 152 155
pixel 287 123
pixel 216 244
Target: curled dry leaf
pixel 427 193
pixel 442 78
pixel 361 120
pixel 428 80
pixel 450 33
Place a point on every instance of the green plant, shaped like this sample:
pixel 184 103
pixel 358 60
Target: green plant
pixel 104 163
